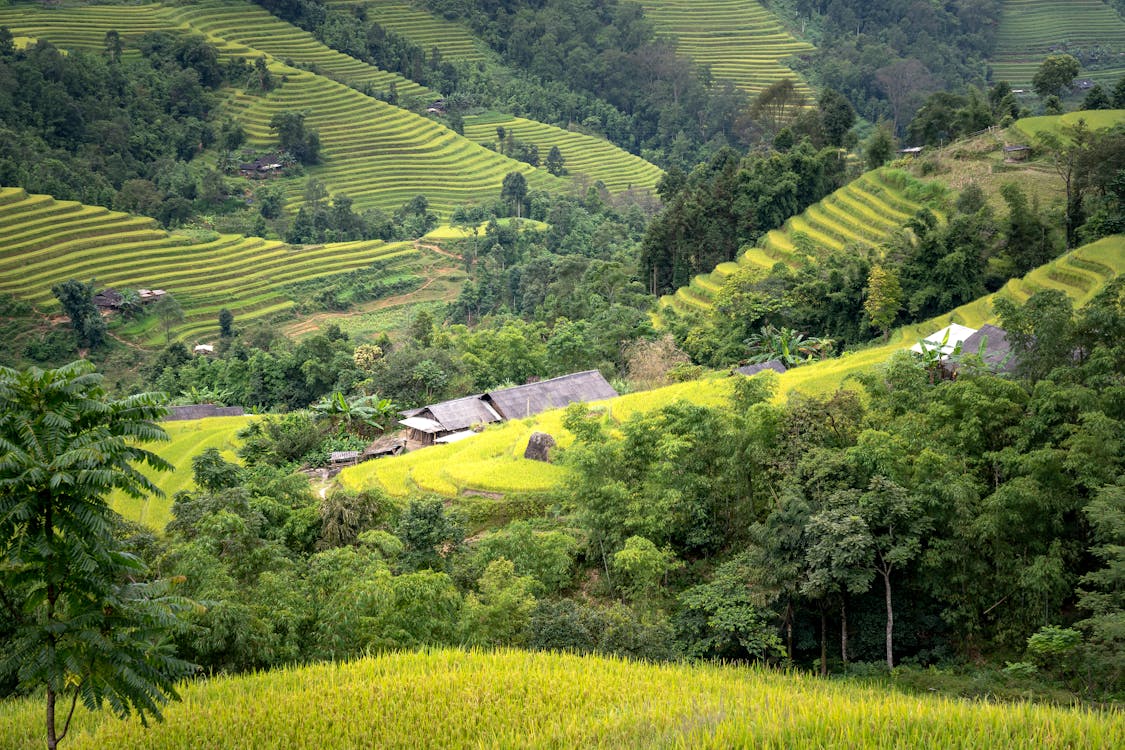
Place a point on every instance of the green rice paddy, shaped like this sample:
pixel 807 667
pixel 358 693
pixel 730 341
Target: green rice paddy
pixel 739 40
pixel 44 241
pixel 428 31
pixel 1032 29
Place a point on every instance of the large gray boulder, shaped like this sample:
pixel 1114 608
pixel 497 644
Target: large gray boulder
pixel 539 447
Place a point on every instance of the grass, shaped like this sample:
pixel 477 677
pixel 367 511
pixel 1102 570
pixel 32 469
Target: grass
pixel 584 155
pixel 188 438
pixel 508 699
pixel 493 461
pixel 44 241
pixel 1032 29
pixel 739 40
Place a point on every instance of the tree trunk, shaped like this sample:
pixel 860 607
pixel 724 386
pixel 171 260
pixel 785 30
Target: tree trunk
pixel 823 642
pixel 789 629
pixel 890 622
pixel 844 630
pixel 52 742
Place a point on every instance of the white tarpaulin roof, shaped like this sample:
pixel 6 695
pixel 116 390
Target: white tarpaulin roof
pixel 951 335
pixel 422 424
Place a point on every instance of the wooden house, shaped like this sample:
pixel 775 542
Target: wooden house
pixel 109 299
pixel 429 423
pixel 1017 152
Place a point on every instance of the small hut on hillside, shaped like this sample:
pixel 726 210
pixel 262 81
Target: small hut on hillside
pixel 991 343
pixel 1017 152
pixel 109 299
pixel 429 423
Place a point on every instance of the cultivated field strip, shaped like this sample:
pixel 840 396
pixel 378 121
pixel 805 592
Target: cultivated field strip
pixel 584 155
pixel 44 241
pixel 862 214
pixel 492 461
pixel 1031 29
pixel 451 39
pixel 739 40
pixel 379 155
pixel 244 23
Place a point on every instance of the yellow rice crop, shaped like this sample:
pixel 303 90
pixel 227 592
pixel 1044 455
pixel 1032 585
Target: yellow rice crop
pixel 512 699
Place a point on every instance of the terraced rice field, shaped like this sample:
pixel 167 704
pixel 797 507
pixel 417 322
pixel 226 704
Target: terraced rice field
pixel 187 439
pixel 379 155
pixel 584 155
pixel 449 698
pixel 454 41
pixel 861 214
pixel 1095 120
pixel 492 461
pixel 44 241
pixel 740 40
pixel 235 27
pixel 1029 29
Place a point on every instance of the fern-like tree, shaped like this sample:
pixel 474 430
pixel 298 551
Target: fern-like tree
pixel 84 623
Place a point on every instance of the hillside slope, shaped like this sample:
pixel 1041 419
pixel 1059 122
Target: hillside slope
pixel 428 31
pixel 512 699
pixel 739 40
pixel 493 462
pixel 44 241
pixel 1032 29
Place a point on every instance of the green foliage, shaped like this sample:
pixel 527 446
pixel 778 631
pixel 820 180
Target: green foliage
pixel 301 142
pixel 429 536
pixel 500 613
pixel 642 567
pixel 77 300
pixel 84 622
pixel 1054 74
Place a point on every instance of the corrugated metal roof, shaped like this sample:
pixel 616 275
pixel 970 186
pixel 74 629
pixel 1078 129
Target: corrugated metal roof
pixel 461 413
pixel 952 334
pixel 422 424
pixel 527 400
pixel 456 437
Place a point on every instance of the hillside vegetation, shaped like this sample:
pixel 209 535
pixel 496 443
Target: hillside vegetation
pixel 44 242
pixel 1031 29
pixel 859 215
pixel 585 156
pixel 454 699
pixel 493 461
pixel 739 40
pixel 424 29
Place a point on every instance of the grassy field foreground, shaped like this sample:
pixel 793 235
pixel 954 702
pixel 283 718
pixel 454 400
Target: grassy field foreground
pixel 511 699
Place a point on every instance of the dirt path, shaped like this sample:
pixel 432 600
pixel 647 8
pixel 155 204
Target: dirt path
pixel 436 273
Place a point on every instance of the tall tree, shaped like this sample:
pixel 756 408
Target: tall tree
pixel 83 626
pixel 883 299
pixel 77 300
pixel 514 190
pixel 1054 74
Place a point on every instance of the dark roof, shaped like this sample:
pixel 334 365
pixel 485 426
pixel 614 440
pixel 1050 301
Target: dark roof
pixel 526 400
pixel 393 443
pixel 773 364
pixel 109 298
pixel 202 411
pixel 1017 147
pixel 461 413
pixel 997 349
pixel 338 457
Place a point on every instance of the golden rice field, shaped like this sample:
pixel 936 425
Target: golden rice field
pixel 512 699
pixel 44 241
pixel 1031 29
pixel 863 213
pixel 739 40
pixel 493 461
pixel 585 156
pixel 187 439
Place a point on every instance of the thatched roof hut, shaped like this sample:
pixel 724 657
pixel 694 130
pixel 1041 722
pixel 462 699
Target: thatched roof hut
pixel 528 400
